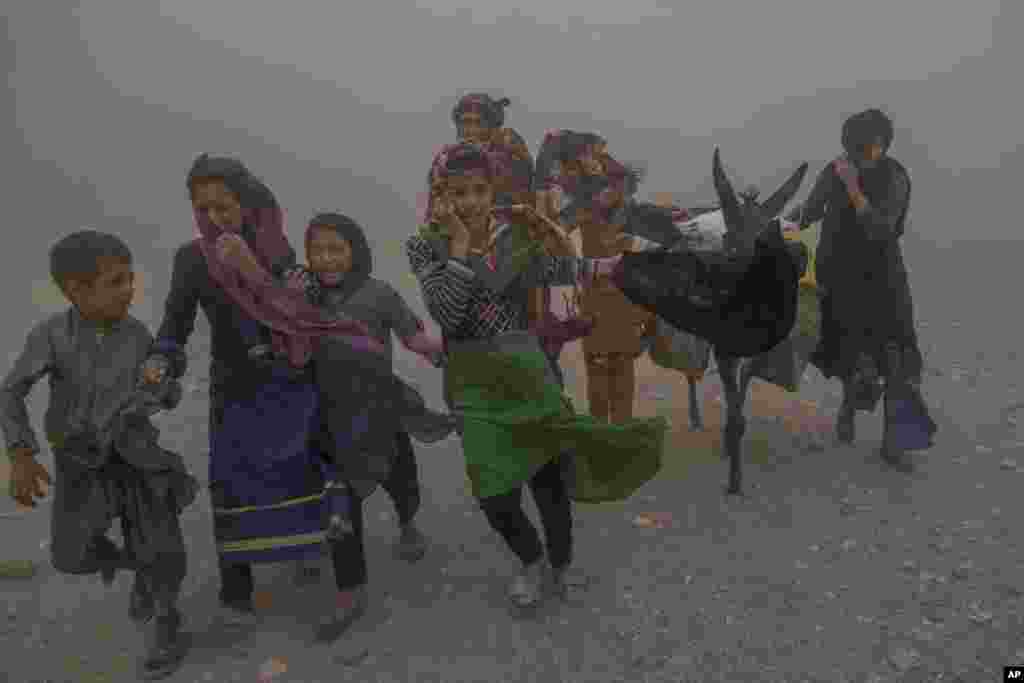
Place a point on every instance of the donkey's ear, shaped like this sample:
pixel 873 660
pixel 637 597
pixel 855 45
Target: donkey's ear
pixel 726 196
pixel 774 205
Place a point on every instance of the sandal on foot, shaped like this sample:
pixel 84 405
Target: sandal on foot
pixel 351 605
pixel 412 544
pixel 307 573
pixel 165 649
pixel 567 583
pixel 527 588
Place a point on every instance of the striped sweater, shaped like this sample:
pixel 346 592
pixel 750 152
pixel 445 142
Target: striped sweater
pixel 472 299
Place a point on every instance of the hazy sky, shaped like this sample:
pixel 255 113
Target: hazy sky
pixel 400 55
pixel 712 65
pixel 342 108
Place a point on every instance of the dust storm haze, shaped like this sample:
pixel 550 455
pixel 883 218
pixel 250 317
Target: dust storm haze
pixel 110 102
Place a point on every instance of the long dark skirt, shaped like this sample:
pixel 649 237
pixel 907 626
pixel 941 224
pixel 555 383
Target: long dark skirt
pixel 266 473
pixel 847 337
pixel 364 404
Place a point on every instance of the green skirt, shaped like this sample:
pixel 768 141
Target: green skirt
pixel 515 419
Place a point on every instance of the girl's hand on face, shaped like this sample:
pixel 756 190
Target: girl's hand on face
pixel 230 247
pixel 558 244
pixel 235 251
pixel 444 214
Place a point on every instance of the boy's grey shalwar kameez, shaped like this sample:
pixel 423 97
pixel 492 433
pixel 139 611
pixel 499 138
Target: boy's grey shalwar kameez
pixel 107 460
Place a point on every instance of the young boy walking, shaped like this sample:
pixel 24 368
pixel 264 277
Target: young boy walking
pixel 107 459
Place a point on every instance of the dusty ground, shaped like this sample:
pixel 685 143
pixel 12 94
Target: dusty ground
pixel 834 568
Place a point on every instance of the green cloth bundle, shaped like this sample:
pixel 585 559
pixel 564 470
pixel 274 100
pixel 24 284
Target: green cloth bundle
pixel 516 420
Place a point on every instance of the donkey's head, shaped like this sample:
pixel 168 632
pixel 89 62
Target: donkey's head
pixel 745 217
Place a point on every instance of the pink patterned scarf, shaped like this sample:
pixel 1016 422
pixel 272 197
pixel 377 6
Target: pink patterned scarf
pixel 296 325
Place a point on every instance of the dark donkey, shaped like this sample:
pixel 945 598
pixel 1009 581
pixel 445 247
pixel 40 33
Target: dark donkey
pixel 741 299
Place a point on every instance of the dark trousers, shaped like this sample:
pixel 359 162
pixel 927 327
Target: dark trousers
pixel 348 555
pixel 506 516
pixel 87 502
pixel 403 484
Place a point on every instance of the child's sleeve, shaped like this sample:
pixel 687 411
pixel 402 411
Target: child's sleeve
pixel 403 320
pixel 35 361
pixel 410 329
pixel 446 285
pixel 180 310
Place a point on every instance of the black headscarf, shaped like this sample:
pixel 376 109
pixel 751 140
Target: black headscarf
pixel 362 257
pixel 865 128
pixel 250 191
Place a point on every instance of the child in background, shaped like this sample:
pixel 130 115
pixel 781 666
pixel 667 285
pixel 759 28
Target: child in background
pixel 107 459
pixel 599 191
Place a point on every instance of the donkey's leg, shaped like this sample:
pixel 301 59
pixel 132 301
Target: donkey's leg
pixel 729 370
pixel 846 416
pixel 696 421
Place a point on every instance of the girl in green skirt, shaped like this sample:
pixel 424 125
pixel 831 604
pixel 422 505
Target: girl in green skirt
pixel 517 426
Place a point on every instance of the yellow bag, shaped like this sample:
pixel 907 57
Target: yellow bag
pixel 809 238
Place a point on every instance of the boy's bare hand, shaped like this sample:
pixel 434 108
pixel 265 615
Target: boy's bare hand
pixel 152 375
pixel 27 478
pixel 154 370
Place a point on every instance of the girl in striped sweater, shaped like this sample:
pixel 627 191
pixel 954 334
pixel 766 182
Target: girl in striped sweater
pixel 516 424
